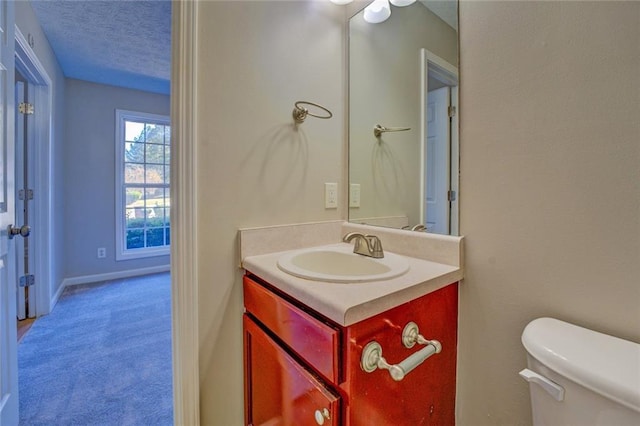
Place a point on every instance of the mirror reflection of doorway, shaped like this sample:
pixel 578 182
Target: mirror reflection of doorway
pixel 439 191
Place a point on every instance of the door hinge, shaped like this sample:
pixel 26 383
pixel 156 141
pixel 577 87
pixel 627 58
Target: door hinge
pixel 27 280
pixel 451 196
pixel 25 108
pixel 28 192
pixel 451 111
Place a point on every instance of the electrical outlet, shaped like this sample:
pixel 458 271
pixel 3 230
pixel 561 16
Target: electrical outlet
pixel 102 253
pixel 354 195
pixel 330 195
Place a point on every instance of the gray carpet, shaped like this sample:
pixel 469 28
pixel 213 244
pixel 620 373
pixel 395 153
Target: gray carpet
pixel 102 357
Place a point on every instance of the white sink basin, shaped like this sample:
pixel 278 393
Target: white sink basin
pixel 338 264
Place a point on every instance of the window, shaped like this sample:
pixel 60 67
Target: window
pixel 142 185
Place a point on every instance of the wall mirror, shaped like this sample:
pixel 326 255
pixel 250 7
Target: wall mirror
pixel 403 117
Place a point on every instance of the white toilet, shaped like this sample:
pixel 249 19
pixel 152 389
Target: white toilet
pixel 580 377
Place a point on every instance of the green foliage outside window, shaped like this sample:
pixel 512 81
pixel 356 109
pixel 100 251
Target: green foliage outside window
pixel 156 237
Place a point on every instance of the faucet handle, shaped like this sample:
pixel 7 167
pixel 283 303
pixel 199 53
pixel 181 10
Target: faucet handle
pixel 375 246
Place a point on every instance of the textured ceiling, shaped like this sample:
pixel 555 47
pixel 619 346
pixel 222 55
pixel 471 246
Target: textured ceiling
pixel 117 42
pixel 127 42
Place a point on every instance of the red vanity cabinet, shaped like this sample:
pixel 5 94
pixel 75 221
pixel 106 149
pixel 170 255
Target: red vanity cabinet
pixel 303 369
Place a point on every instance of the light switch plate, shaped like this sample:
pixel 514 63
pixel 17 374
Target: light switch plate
pixel 330 195
pixel 354 195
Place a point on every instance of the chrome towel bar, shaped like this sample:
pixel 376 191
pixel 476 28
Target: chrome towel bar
pixel 378 130
pixel 371 358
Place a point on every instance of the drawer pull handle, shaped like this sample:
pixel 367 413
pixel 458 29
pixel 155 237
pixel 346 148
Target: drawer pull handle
pixel 322 415
pixel 372 359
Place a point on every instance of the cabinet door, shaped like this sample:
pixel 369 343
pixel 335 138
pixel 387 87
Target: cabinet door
pixel 278 389
pixel 426 396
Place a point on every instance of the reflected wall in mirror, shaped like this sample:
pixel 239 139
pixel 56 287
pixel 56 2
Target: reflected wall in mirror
pixel 403 74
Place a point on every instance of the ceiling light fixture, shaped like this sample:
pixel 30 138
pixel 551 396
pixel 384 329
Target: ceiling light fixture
pixel 402 3
pixel 341 2
pixel 378 11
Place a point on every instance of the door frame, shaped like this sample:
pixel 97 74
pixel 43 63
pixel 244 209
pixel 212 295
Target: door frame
pixel 184 214
pixel 30 67
pixel 447 73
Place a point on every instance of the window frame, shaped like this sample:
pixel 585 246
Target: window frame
pixel 121 251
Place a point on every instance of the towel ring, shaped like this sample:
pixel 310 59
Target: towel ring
pixel 300 112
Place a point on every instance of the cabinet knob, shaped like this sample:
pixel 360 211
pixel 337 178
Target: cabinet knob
pixel 322 415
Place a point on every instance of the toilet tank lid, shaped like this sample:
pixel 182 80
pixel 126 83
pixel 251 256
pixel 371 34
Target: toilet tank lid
pixel 607 365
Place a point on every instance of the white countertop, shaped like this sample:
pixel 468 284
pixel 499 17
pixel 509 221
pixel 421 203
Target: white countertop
pixel 349 303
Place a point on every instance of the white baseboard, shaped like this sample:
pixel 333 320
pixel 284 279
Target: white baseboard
pixel 86 279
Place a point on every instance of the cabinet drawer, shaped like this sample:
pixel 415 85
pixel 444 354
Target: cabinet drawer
pixel 311 339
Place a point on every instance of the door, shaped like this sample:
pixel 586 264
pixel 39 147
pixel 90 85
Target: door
pixel 279 391
pixel 439 136
pixel 24 146
pixel 8 338
pixel 437 161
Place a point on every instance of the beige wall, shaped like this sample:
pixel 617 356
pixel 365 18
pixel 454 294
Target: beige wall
pixel 550 192
pixel 255 60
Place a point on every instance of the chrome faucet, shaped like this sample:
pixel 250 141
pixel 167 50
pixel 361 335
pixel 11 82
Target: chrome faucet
pixel 366 245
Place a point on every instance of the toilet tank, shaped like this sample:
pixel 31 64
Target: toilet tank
pixel 581 377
